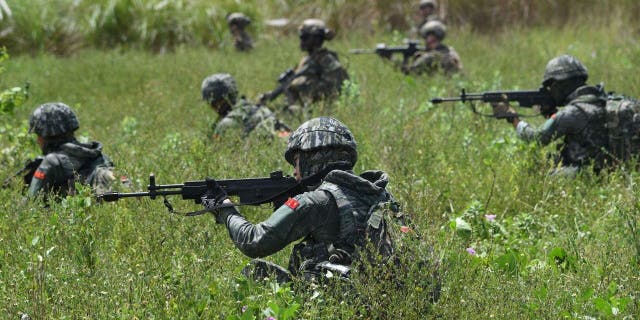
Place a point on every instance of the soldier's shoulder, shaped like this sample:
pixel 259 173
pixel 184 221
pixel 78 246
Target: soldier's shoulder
pixel 328 59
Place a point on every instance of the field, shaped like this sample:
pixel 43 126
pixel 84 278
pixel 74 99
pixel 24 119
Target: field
pixel 557 248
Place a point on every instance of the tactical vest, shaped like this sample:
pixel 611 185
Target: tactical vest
pixel 623 127
pixel 590 142
pixel 94 172
pixel 363 227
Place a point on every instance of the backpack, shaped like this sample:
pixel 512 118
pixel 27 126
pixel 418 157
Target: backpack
pixel 623 126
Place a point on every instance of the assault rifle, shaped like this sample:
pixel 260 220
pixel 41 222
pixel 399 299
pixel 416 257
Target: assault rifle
pixel 382 50
pixel 30 167
pixel 524 98
pixel 284 80
pixel 276 189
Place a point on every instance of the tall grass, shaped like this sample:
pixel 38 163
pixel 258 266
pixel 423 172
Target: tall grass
pixel 556 248
pixel 64 26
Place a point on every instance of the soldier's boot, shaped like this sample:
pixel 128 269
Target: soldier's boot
pixel 258 270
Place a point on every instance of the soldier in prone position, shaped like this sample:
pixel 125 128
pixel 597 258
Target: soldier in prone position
pixel 221 93
pixel 580 124
pixel 330 218
pixel 65 159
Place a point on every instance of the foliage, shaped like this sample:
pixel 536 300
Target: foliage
pixel 63 27
pixel 512 241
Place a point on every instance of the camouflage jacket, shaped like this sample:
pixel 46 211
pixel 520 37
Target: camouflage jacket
pixel 321 76
pixel 72 162
pixel 443 58
pixel 313 216
pixel 242 41
pixel 245 118
pixel 580 125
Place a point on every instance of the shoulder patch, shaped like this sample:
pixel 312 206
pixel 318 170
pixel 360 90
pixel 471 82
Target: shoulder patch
pixel 39 174
pixel 292 203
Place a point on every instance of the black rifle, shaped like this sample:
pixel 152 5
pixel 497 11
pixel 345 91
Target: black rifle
pixel 525 98
pixel 382 50
pixel 284 80
pixel 275 189
pixel 27 172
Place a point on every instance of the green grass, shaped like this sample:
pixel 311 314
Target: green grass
pixel 557 248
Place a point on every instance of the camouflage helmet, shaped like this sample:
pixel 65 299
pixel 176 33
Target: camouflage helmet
pixel 563 67
pixel 239 19
pixel 434 27
pixel 424 3
pixel 53 119
pixel 316 27
pixel 219 86
pixel 321 133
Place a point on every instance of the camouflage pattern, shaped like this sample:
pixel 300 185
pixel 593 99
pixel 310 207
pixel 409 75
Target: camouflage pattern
pixel 320 77
pixel 53 119
pixel 237 22
pixel 239 19
pixel 313 216
pixel 564 67
pixel 246 118
pixel 581 124
pixel 623 127
pixel 434 27
pixel 73 162
pixel 315 27
pixel 219 86
pixel 321 133
pixel 441 59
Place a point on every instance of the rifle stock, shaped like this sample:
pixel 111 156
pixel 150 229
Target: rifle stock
pixel 524 98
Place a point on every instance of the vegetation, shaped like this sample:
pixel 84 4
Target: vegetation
pixel 514 242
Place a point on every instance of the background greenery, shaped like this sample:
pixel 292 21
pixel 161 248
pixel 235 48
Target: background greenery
pixel 556 248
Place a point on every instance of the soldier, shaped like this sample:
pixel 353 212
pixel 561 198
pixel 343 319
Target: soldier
pixel 65 159
pixel 580 124
pixel 437 56
pixel 331 217
pixel 237 23
pixel 319 75
pixel 221 92
pixel 426 12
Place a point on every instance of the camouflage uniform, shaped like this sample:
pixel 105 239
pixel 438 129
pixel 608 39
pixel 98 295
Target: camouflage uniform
pixel 65 159
pixel 323 217
pixel 321 77
pixel 242 117
pixel 247 118
pixel 431 17
pixel 581 125
pixel 241 38
pixel 320 74
pixel 441 58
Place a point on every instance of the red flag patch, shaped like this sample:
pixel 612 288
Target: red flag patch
pixel 405 229
pixel 39 174
pixel 292 203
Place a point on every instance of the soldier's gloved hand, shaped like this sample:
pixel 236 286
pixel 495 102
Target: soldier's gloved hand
pixel 213 198
pixel 502 110
pixel 263 98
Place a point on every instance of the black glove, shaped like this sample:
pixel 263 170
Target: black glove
pixel 214 197
pixel 502 110
pixel 263 98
